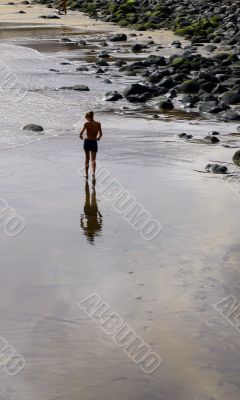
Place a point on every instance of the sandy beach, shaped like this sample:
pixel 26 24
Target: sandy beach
pixel 75 244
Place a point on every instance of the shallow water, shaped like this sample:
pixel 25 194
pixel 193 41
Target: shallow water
pixel 75 243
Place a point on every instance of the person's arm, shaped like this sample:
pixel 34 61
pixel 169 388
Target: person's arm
pixel 82 132
pixel 99 132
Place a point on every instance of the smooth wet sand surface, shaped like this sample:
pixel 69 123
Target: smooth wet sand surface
pixel 164 289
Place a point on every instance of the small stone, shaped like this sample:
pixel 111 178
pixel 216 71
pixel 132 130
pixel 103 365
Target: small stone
pixel 211 139
pixel 33 128
pixel 113 96
pixel 216 169
pixel 185 136
pixel 80 88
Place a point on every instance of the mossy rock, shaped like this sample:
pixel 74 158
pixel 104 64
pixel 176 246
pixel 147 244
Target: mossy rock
pixel 179 62
pixel 123 22
pixel 190 87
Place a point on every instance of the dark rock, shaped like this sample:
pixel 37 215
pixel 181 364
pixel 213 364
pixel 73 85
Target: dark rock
pixel 100 71
pixel 82 42
pixel 80 88
pixel 104 54
pixel 231 97
pixel 166 104
pixel 167 82
pixel 120 63
pixel 33 128
pixel 190 100
pixel 236 158
pixel 190 86
pixel 230 115
pixel 120 37
pixel 137 47
pixel 155 60
pixel 211 139
pixel 212 107
pixel 177 44
pixel 66 40
pixel 216 168
pixel 139 98
pixel 185 136
pixel 102 63
pixel 136 88
pixel 113 96
pixel 82 69
pixel 55 16
pixel 210 48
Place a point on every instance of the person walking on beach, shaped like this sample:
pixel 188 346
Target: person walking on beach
pixel 94 134
pixel 62 6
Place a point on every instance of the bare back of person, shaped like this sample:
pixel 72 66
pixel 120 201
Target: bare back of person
pixel 92 129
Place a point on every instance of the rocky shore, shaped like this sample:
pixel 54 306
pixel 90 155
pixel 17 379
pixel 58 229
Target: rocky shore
pixel 206 76
pixel 202 21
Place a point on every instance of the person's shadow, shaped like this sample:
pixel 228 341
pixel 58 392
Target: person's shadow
pixel 91 220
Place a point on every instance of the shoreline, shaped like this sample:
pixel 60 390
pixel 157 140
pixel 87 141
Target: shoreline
pixel 165 289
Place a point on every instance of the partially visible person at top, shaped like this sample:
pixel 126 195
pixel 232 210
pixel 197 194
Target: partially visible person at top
pixel 62 6
pixel 94 134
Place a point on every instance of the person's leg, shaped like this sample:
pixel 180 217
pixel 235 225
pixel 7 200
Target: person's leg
pixel 93 159
pixel 65 7
pixel 87 159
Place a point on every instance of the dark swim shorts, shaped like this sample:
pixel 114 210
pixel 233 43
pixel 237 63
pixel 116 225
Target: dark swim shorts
pixel 90 145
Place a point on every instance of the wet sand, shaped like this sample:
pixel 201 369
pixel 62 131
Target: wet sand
pixel 165 289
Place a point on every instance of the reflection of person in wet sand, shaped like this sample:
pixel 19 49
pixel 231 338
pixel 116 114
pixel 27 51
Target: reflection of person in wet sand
pixel 91 221
pixel 62 6
pixel 94 134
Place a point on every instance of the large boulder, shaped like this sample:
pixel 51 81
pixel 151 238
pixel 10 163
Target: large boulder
pixel 231 97
pixel 139 98
pixel 236 158
pixel 136 89
pixel 155 60
pixel 190 87
pixel 230 115
pixel 212 107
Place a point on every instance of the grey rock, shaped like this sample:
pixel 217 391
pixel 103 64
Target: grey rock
pixel 184 136
pixel 80 88
pixel 236 158
pixel 211 139
pixel 216 169
pixel 166 104
pixel 33 128
pixel 119 37
pixel 113 96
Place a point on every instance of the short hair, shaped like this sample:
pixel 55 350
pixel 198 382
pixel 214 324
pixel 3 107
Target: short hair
pixel 89 115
